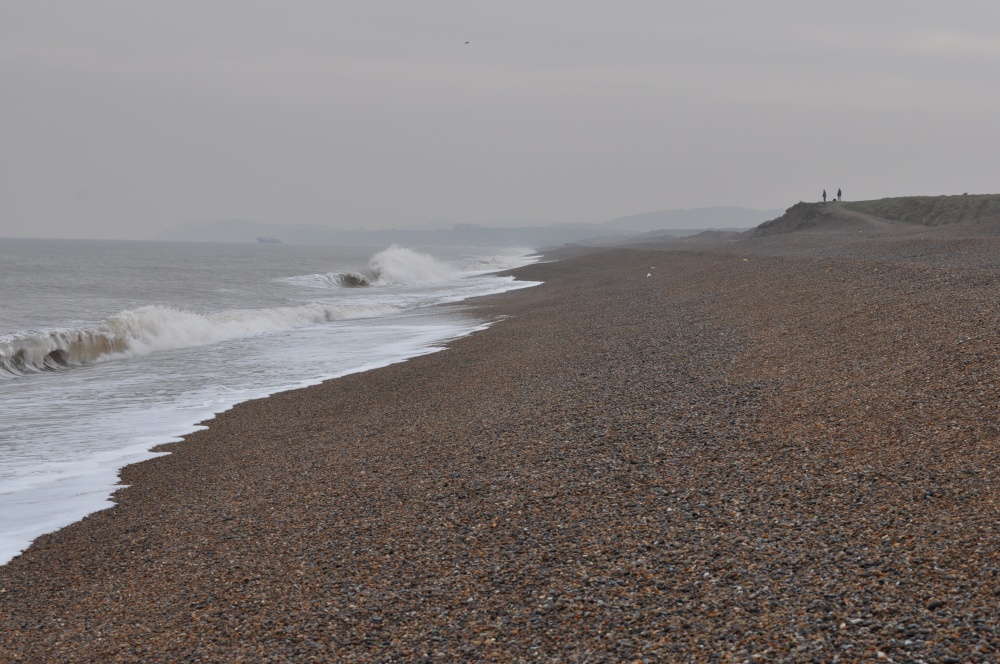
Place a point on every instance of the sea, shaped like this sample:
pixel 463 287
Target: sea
pixel 108 349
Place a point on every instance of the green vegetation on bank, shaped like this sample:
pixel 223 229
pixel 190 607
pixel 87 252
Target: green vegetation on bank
pixel 931 210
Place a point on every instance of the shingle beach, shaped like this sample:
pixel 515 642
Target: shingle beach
pixel 776 449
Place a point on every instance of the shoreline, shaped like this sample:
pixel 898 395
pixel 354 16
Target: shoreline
pixel 57 472
pixel 741 454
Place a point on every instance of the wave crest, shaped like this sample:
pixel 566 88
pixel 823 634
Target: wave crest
pixel 398 265
pixel 351 279
pixel 152 328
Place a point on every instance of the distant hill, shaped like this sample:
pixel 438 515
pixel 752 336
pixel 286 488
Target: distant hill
pixel 501 234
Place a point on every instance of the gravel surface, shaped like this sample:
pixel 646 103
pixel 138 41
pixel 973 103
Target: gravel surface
pixel 782 450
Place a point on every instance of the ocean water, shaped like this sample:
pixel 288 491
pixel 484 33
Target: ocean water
pixel 108 349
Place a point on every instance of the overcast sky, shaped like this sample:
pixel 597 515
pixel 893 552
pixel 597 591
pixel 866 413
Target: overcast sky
pixel 118 119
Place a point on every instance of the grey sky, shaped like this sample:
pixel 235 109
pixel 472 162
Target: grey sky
pixel 119 119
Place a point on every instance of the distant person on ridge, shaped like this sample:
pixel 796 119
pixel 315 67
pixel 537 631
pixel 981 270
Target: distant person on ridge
pixel 838 194
pixel 824 195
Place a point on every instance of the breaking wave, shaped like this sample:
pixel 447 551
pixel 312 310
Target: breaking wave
pixel 399 265
pixel 152 328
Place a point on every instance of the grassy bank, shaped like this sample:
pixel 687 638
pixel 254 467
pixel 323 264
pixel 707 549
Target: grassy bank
pixel 931 210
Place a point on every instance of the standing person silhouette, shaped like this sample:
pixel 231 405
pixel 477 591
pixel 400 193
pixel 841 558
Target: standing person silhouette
pixel 838 194
pixel 824 195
